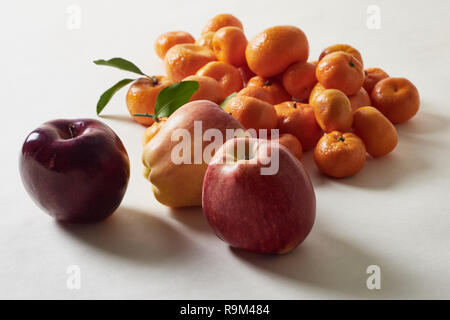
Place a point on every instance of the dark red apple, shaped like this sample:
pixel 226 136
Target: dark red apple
pixel 75 170
pixel 269 211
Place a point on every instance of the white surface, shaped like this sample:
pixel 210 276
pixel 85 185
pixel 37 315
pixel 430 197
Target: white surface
pixel 394 214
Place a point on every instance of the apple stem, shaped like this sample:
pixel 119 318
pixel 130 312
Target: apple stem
pixel 341 138
pixel 72 130
pixel 295 105
pixel 268 83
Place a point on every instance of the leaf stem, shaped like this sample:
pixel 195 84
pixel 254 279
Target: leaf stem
pixel 148 115
pixel 154 80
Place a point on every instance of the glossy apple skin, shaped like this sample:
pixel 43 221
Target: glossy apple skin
pixel 75 170
pixel 259 213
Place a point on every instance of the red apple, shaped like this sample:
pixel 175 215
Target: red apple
pixel 75 170
pixel 255 211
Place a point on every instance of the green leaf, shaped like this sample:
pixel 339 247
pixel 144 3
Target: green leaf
pixel 173 97
pixel 121 64
pixel 108 94
pixel 222 105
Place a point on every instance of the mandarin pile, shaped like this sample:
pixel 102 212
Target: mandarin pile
pixel 333 105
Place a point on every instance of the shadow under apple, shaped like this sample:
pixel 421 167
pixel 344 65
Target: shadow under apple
pixel 193 218
pixel 132 234
pixel 331 263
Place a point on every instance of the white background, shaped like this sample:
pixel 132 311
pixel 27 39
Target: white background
pixel 395 213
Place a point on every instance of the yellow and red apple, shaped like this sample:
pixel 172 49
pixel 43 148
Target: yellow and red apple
pixel 180 184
